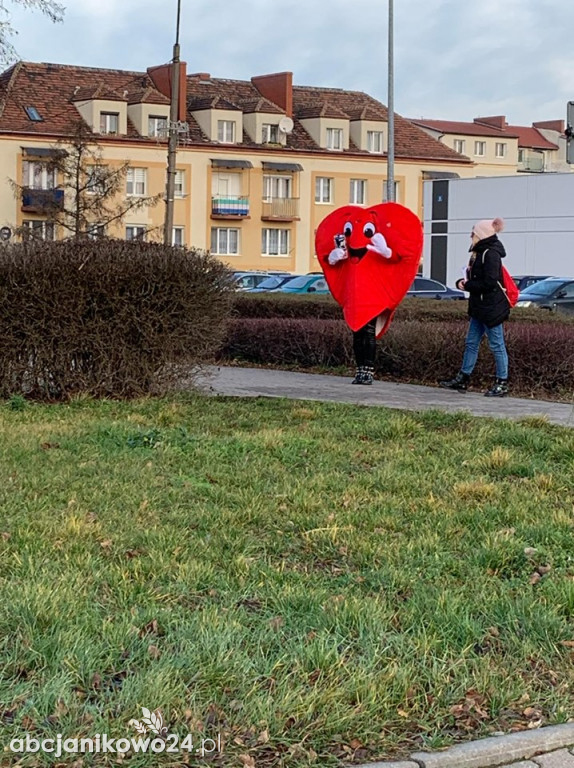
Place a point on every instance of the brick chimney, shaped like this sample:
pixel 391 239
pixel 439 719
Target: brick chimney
pixel 277 88
pixel 161 78
pixel 551 125
pixel 499 121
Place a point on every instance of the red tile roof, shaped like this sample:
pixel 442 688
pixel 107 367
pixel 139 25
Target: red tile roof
pixel 528 137
pixel 51 89
pixel 531 138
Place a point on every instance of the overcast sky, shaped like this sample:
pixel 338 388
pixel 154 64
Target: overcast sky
pixel 454 59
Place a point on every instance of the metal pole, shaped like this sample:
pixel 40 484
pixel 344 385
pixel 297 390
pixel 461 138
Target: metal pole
pixel 391 110
pixel 173 133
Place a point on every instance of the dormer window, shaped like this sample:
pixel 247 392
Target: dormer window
pixel 270 134
pixel 375 141
pixel 157 126
pixel 226 131
pixel 110 123
pixel 334 138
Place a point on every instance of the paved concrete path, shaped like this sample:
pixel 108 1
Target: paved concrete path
pixel 550 747
pixel 262 382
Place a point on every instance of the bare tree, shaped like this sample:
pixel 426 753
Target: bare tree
pixel 50 8
pixel 84 194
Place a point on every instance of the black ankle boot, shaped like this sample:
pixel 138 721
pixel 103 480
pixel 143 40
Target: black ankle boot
pixel 460 382
pixel 368 375
pixel 498 389
pixel 359 375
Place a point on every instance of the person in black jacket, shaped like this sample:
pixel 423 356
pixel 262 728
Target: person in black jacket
pixel 488 307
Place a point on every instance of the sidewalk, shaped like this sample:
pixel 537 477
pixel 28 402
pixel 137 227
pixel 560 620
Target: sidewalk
pixel 262 382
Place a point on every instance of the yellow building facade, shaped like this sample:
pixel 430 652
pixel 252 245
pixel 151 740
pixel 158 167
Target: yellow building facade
pixel 259 164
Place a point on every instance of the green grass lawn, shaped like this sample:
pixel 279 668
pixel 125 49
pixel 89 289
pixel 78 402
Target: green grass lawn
pixel 311 582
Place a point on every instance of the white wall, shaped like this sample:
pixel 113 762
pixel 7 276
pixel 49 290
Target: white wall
pixel 538 211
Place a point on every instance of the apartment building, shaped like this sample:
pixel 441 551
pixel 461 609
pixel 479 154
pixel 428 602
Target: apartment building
pixel 260 163
pixel 500 149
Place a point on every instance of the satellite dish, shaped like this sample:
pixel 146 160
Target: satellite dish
pixel 285 125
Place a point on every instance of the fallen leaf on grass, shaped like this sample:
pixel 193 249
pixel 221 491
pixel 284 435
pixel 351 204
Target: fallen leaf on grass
pixel 567 643
pixel 544 569
pixel 276 623
pixel 151 628
pixel 153 652
pixel 6 536
pixel 247 761
pixel 263 737
pixel 48 446
pixel 535 578
pixel 530 551
pixel 106 544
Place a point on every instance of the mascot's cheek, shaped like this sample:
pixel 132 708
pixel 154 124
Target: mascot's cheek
pixel 372 285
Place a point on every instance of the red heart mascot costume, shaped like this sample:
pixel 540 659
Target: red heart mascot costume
pixel 370 257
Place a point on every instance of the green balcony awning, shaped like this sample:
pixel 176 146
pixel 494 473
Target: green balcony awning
pixel 216 163
pixel 282 167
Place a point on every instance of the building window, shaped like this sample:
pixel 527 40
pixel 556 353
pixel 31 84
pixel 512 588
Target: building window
pixel 334 138
pixel 397 191
pixel 96 231
pixel 480 148
pixel 38 230
pixel 226 131
pixel 34 115
pixel 459 146
pixel 224 241
pixel 276 186
pixel 37 175
pixel 520 155
pixel 500 150
pixel 270 134
pixel 177 236
pixel 135 232
pixel 109 122
pixel 95 182
pixel 358 187
pixel 136 182
pixel 179 184
pixel 157 126
pixel 275 242
pixel 375 141
pixel 323 190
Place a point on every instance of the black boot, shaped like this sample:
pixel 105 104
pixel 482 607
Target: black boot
pixel 368 375
pixel 359 376
pixel 460 382
pixel 498 389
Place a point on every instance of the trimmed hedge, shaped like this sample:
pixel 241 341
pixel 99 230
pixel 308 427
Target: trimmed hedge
pixel 273 304
pixel 106 318
pixel 541 356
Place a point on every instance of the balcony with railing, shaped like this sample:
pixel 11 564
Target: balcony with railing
pixel 229 207
pixel 280 209
pixel 532 164
pixel 42 200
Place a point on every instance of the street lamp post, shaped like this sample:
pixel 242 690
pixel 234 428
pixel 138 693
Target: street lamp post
pixel 173 133
pixel 391 110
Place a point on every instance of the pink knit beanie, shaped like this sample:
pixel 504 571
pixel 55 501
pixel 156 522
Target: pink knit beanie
pixel 487 228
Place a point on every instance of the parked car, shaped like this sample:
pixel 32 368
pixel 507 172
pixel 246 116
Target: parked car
pixel 555 294
pixel 424 288
pixel 247 280
pixel 272 283
pixel 305 284
pixel 525 281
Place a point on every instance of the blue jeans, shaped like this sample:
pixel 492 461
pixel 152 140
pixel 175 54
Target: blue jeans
pixel 476 330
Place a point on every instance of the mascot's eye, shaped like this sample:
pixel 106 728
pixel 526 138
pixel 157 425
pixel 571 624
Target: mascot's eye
pixel 369 230
pixel 348 229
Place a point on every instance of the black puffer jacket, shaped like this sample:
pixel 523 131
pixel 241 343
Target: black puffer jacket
pixel 487 302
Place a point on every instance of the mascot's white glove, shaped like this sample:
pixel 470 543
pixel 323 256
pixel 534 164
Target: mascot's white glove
pixel 336 255
pixel 379 245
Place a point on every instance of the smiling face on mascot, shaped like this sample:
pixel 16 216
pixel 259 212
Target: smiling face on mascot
pixel 370 257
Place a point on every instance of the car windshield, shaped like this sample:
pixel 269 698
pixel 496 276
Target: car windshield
pixel 297 282
pixel 543 287
pixel 271 282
